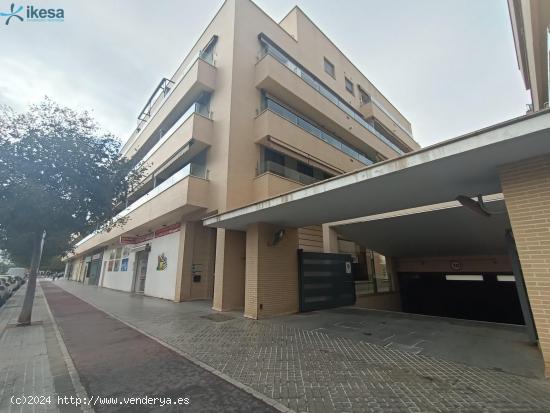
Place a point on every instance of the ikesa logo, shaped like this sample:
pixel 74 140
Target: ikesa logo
pixel 33 14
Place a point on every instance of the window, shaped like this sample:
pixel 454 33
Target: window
pixel 116 256
pixel 349 86
pixel 305 169
pixel 329 68
pixel 364 96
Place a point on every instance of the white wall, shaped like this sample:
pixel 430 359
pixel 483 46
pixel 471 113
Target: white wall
pixel 119 280
pixel 162 284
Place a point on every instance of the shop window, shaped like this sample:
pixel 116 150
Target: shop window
pixel 118 259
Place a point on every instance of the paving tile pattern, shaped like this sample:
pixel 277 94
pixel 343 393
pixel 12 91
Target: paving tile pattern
pixel 312 371
pixel 24 363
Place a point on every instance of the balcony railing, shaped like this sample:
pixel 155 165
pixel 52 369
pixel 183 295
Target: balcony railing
pixel 190 169
pixel 196 107
pixel 155 105
pixel 281 170
pixel 271 49
pixel 309 127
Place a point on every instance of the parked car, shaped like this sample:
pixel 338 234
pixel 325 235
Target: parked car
pixel 6 283
pixel 11 281
pixel 4 294
pixel 17 271
pixel 20 279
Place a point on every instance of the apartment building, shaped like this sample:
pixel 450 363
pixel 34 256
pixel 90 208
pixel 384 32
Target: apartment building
pixel 530 20
pixel 256 109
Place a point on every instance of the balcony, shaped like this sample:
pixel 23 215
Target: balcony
pixel 282 78
pixel 184 192
pixel 170 105
pixel 373 109
pixel 278 125
pixel 190 135
pixel 269 184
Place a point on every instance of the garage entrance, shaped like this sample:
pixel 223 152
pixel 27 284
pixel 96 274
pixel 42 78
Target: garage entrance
pixel 326 280
pixel 479 296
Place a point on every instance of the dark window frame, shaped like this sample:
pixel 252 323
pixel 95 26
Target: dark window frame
pixel 328 63
pixel 350 87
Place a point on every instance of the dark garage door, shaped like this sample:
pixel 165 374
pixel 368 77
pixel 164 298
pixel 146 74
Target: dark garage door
pixel 326 280
pixel 493 298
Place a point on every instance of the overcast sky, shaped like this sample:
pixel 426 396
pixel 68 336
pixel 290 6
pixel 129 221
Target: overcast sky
pixel 448 65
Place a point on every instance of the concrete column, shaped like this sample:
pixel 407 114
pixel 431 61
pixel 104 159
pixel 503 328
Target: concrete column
pixel 526 188
pixel 330 239
pixel 185 261
pixel 229 270
pixel 271 272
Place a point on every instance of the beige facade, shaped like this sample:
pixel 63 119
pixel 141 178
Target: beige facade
pixel 251 113
pixel 530 21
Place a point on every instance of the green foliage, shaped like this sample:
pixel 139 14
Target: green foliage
pixel 60 173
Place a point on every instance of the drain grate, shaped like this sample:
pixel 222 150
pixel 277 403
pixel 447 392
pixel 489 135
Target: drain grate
pixel 218 317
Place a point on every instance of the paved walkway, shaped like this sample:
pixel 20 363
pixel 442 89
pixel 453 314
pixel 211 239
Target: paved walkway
pixel 32 362
pixel 116 363
pixel 312 371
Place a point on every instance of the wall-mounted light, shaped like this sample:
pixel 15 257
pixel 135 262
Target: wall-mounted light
pixel 476 206
pixel 277 237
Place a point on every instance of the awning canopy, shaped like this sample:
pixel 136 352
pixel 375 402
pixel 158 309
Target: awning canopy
pixel 466 165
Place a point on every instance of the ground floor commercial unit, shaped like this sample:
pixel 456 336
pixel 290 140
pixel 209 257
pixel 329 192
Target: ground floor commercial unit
pixel 173 262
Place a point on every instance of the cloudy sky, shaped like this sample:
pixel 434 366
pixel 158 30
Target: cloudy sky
pixel 448 65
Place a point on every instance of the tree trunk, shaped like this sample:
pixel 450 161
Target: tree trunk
pixel 26 310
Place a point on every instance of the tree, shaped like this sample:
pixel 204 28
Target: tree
pixel 61 174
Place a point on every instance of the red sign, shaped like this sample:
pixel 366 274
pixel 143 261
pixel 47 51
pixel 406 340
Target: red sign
pixel 158 233
pixel 167 230
pixel 143 238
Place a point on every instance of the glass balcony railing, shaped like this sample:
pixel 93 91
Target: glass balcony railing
pixel 196 107
pixel 191 169
pixel 157 103
pixel 281 170
pixel 314 130
pixel 274 51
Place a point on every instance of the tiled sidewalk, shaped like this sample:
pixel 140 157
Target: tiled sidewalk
pixel 311 371
pixel 31 361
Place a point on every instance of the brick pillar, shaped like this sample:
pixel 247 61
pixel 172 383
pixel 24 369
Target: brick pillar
pixel 526 189
pixel 229 270
pixel 271 272
pixel 330 239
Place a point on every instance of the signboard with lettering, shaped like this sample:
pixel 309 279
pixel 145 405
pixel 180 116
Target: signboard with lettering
pixel 170 229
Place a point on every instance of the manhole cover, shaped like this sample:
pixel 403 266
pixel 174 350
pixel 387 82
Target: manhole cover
pixel 218 317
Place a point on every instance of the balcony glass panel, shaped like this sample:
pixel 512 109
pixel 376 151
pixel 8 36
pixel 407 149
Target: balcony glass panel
pixel 281 170
pixel 270 49
pixel 196 107
pixel 314 130
pixel 188 170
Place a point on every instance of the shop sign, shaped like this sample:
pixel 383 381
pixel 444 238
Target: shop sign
pixel 167 230
pixel 126 240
